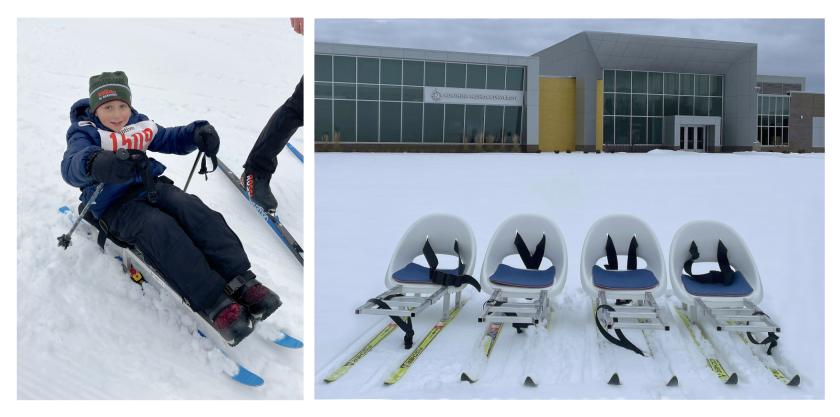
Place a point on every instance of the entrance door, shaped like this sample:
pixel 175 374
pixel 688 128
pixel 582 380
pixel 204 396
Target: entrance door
pixel 693 138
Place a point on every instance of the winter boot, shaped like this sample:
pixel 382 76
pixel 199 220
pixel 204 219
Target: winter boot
pixel 230 319
pixel 257 298
pixel 258 190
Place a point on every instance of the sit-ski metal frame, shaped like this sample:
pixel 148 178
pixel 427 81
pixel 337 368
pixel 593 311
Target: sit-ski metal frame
pixel 641 313
pixel 534 311
pixel 409 301
pixel 732 316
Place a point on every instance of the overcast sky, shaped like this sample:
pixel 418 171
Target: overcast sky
pixel 785 47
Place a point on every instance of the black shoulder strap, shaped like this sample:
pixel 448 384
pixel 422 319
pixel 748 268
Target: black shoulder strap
pixel 612 259
pixel 631 254
pixel 443 278
pixel 531 260
pixel 621 340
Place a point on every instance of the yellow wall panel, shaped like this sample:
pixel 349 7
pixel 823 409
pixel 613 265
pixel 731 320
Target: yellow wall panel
pixel 557 114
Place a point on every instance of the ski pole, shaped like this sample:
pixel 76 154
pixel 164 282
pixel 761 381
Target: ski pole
pixel 64 240
pixel 197 157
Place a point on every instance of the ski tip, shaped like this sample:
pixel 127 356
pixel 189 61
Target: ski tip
pixel 64 209
pixel 614 380
pixel 288 342
pixel 733 379
pixel 794 382
pixel 246 377
pixel 465 377
pixel 529 382
pixel 673 382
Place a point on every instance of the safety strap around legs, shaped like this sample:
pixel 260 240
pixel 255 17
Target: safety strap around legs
pixel 612 257
pixel 772 338
pixel 443 278
pixel 620 340
pixel 531 260
pixel 725 276
pixel 404 324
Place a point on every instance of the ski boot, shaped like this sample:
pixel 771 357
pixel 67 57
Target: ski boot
pixel 257 298
pixel 230 319
pixel 258 190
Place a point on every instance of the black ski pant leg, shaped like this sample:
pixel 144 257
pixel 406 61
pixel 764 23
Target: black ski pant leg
pixel 207 229
pixel 169 249
pixel 276 134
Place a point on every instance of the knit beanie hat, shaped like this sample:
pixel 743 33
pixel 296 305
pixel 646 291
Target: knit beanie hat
pixel 109 86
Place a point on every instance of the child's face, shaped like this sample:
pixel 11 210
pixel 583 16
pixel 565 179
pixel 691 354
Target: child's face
pixel 114 114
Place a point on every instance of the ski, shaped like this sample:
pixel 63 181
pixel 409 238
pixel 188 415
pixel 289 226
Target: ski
pixel 713 360
pixel 481 356
pixel 655 349
pixel 532 371
pixel 272 220
pixel 341 370
pixel 430 336
pixel 778 367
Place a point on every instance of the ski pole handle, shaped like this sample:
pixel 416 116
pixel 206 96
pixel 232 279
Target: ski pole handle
pixel 197 157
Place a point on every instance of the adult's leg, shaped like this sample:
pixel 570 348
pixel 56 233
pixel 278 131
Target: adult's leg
pixel 207 229
pixel 167 247
pixel 276 133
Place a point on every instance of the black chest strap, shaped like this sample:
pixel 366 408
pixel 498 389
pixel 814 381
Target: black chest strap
pixel 612 257
pixel 725 276
pixel 447 279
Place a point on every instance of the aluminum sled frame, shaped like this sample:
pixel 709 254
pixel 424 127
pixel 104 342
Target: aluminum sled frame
pixel 732 316
pixel 534 311
pixel 410 301
pixel 641 313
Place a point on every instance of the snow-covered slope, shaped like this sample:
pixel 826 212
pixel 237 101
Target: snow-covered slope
pixel 86 331
pixel 366 201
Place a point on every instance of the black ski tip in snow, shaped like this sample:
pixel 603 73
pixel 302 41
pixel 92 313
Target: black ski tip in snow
pixel 465 377
pixel 673 382
pixel 733 379
pixel 794 382
pixel 614 379
pixel 529 382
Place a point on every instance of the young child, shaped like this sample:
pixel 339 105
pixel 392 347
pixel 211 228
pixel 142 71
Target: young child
pixel 188 243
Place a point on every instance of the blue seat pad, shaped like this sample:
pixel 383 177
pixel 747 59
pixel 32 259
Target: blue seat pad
pixel 417 274
pixel 637 279
pixel 524 278
pixel 739 288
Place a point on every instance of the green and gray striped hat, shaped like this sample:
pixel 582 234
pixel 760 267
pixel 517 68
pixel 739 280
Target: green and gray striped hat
pixel 109 86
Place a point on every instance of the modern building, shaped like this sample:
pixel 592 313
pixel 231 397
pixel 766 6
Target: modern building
pixel 595 91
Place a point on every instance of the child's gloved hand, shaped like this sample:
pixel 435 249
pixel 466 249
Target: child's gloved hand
pixel 105 166
pixel 207 140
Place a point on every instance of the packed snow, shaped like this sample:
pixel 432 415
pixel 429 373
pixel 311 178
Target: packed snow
pixel 365 202
pixel 85 331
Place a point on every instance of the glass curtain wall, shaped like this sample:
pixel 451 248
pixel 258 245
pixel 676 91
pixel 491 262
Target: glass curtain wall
pixel 773 115
pixel 636 102
pixel 368 99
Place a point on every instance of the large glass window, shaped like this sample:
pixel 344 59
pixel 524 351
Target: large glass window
pixel 368 92
pixel 686 106
pixel 412 122
pixel 454 123
pixel 367 125
pixel 716 85
pixel 368 70
pixel 323 90
pixel 323 68
pixel 412 94
pixel 391 71
pixel 344 68
pixel 622 130
pixel 654 105
pixel 413 72
pixel 639 82
pixel 323 120
pixel 687 84
pixel 639 105
pixel 390 121
pixel 609 81
pixel 672 83
pixel 493 124
pixel 513 125
pixel 702 85
pixel 609 103
pixel 622 81
pixel 456 75
pixel 345 121
pixel 655 83
pixel 638 133
pixel 515 78
pixel 495 77
pixel 345 91
pixel 655 130
pixel 391 93
pixel 476 76
pixel 474 126
pixel 671 105
pixel 435 74
pixel 609 130
pixel 433 123
pixel 622 104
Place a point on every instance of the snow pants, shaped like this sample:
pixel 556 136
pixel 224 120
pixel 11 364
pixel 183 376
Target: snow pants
pixel 186 241
pixel 276 133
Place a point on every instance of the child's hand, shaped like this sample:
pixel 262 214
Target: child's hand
pixel 207 140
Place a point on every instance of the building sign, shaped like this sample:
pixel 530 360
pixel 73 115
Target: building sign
pixel 444 95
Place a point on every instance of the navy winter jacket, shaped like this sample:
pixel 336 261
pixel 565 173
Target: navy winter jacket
pixel 87 135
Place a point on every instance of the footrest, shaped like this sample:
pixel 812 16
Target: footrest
pixel 505 307
pixel 641 313
pixel 739 316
